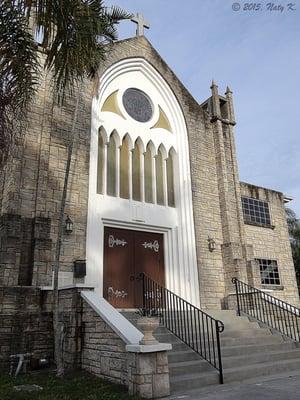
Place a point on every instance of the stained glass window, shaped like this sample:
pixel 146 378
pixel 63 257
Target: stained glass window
pixel 137 104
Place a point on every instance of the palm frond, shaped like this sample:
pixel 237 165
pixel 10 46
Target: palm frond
pixel 75 35
pixel 82 31
pixel 19 68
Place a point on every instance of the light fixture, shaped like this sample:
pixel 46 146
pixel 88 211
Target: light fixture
pixel 68 225
pixel 211 244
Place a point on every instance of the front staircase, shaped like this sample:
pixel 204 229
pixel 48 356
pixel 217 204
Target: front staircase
pixel 249 351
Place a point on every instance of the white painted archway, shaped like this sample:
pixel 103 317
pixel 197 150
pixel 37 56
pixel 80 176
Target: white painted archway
pixel 177 223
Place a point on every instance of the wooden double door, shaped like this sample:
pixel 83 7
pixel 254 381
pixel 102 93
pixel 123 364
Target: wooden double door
pixel 127 253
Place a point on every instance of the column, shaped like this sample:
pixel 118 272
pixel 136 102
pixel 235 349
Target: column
pixel 154 180
pixel 104 171
pixel 165 185
pixel 130 174
pixel 142 176
pixel 118 151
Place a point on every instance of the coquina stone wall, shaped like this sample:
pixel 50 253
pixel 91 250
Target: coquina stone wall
pixel 31 190
pixel 24 326
pixel 89 343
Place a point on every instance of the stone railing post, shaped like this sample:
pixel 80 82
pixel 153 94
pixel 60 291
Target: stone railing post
pixel 148 370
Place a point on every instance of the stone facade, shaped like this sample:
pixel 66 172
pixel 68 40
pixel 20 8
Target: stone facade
pixel 272 242
pixel 89 343
pixel 24 326
pixel 32 184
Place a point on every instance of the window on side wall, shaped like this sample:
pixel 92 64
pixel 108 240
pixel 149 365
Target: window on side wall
pixel 256 212
pixel 269 273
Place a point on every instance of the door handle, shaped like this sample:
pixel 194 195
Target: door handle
pixel 132 278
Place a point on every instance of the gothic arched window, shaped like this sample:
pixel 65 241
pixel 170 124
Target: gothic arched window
pixel 100 165
pixel 148 174
pixel 111 166
pixel 159 169
pixel 170 179
pixel 124 168
pixel 136 172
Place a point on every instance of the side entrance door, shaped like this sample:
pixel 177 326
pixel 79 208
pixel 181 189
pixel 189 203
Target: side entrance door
pixel 127 253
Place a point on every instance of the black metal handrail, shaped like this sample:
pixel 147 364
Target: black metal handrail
pixel 268 309
pixel 197 329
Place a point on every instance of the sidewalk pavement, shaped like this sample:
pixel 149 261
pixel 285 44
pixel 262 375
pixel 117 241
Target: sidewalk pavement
pixel 281 388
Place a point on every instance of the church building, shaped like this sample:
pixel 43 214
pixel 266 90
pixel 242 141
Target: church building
pixel 154 188
pixel 154 195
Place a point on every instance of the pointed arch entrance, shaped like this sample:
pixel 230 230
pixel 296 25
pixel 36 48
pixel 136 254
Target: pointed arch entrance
pixel 143 174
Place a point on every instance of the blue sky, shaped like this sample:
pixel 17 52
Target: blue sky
pixel 256 53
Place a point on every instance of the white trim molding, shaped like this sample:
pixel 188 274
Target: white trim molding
pixel 118 323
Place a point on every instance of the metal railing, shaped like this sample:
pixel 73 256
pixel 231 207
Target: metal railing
pixel 194 327
pixel 275 313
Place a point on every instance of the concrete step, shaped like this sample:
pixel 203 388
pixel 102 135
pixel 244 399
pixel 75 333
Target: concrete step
pixel 239 374
pixel 231 342
pixel 188 367
pixel 261 357
pixel 191 375
pixel 186 392
pixel 225 340
pixel 248 352
pixel 183 367
pixel 227 333
pixel 262 340
pixel 183 355
pixel 194 381
pixel 279 375
pixel 249 349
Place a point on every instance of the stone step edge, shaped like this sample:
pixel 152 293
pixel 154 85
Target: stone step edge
pixel 240 340
pixel 202 360
pixel 189 350
pixel 206 389
pixel 200 375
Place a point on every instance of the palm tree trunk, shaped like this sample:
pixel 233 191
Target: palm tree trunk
pixel 58 325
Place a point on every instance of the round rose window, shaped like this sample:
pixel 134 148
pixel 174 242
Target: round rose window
pixel 137 104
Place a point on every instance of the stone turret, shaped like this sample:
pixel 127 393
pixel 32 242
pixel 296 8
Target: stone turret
pixel 230 109
pixel 215 109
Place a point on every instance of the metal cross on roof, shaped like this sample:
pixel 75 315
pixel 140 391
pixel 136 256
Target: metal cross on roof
pixel 141 24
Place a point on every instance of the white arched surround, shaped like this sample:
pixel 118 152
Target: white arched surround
pixel 177 223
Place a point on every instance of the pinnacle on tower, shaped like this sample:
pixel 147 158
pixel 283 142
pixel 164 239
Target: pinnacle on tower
pixel 213 84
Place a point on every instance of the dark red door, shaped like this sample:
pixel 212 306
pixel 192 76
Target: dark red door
pixel 126 254
pixel 118 268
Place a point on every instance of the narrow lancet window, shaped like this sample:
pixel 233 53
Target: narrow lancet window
pixel 159 178
pixel 136 173
pixel 100 165
pixel 148 174
pixel 111 167
pixel 170 180
pixel 124 169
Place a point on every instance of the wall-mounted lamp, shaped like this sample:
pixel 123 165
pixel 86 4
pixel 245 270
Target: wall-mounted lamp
pixel 68 225
pixel 211 244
